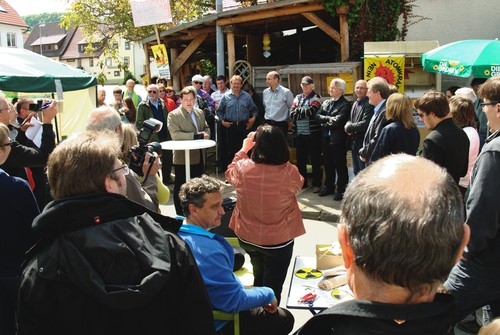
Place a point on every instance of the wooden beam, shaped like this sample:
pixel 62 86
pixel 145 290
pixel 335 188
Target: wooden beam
pixel 270 14
pixel 182 58
pixel 176 80
pixel 231 54
pixel 344 38
pixel 148 69
pixel 323 26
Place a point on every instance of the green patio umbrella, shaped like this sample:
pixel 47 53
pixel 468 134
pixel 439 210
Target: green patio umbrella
pixel 477 58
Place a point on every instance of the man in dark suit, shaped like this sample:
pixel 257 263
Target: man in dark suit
pixel 361 114
pixel 333 116
pixel 378 92
pixel 447 144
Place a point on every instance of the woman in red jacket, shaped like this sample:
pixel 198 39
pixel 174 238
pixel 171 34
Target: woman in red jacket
pixel 267 217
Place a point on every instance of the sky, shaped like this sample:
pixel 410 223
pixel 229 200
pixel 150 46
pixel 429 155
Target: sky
pixel 28 7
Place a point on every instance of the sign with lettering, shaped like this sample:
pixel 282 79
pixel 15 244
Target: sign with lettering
pixel 150 12
pixel 161 60
pixel 391 68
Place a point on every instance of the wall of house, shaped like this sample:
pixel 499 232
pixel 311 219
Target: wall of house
pixel 18 31
pixel 456 20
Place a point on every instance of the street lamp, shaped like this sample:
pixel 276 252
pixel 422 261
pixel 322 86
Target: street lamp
pixel 40 26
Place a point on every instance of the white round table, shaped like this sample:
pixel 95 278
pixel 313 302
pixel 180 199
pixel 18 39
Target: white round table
pixel 187 145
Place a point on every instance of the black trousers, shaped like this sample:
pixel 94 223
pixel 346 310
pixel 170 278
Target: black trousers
pixel 269 265
pixel 335 161
pixel 9 287
pixel 309 147
pixel 180 178
pixel 233 140
pixel 258 321
pixel 283 125
pixel 166 167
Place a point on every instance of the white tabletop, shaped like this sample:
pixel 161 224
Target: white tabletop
pixel 300 287
pixel 187 144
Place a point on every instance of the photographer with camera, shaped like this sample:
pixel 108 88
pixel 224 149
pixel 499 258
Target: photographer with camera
pixel 187 123
pixel 26 154
pixel 107 119
pixel 154 107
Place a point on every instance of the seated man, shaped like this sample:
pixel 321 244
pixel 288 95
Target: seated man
pixel 402 231
pixel 201 201
pixel 105 264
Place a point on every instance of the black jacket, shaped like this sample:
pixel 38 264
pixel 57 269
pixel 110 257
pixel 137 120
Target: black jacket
pixel 356 317
pixel 106 265
pixel 448 146
pixel 333 116
pixel 357 127
pixel 375 126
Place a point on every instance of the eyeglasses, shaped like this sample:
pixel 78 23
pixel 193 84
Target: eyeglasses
pixel 198 82
pixel 153 92
pixel 8 144
pixel 168 91
pixel 162 90
pixel 493 103
pixel 125 169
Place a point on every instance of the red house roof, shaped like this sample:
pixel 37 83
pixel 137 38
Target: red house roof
pixel 8 15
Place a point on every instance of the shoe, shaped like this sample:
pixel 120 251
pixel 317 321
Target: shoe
pixel 338 196
pixel 305 186
pixel 316 189
pixel 325 192
pixel 469 326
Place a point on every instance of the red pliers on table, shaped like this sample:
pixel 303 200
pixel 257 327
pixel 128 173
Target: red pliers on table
pixel 308 298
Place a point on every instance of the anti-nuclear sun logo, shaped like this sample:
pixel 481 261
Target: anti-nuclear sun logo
pixel 385 72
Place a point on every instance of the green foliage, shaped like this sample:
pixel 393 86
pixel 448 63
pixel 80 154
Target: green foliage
pixel 128 75
pixel 103 22
pixel 208 68
pixel 375 20
pixel 34 19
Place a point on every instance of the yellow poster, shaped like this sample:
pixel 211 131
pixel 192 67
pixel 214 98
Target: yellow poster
pixel 161 59
pixel 392 68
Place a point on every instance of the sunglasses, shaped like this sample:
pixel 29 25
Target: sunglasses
pixel 162 90
pixel 153 92
pixel 493 103
pixel 198 82
pixel 168 91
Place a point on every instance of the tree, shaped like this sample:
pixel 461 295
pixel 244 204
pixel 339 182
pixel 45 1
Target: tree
pixel 34 19
pixel 102 22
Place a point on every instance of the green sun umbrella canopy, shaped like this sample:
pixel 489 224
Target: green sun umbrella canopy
pixel 477 58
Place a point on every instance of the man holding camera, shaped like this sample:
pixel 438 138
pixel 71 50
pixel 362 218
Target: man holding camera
pixel 105 118
pixel 154 107
pixel 187 123
pixel 23 156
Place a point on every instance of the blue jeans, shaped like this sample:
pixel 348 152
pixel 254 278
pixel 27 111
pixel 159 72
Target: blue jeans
pixel 357 164
pixel 474 284
pixel 269 265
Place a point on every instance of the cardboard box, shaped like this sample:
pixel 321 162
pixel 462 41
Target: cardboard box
pixel 328 256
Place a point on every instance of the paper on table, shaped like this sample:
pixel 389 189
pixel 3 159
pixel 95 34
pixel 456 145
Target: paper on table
pixel 35 133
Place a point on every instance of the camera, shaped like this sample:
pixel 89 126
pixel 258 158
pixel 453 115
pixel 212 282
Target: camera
pixel 36 107
pixel 137 154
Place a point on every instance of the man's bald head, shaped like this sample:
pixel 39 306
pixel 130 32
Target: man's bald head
pixel 404 218
pixel 104 118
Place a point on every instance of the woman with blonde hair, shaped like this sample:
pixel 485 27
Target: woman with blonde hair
pixel 130 140
pixel 400 135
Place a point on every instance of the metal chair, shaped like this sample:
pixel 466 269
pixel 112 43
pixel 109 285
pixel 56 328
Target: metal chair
pixel 219 315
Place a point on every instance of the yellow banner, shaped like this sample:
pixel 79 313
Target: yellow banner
pixel 161 59
pixel 392 68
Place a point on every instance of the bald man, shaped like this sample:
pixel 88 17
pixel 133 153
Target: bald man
pixel 402 231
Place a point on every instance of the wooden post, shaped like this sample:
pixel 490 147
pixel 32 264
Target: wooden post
pixel 231 54
pixel 148 69
pixel 176 82
pixel 344 32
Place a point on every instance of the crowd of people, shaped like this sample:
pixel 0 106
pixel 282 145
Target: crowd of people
pixel 103 259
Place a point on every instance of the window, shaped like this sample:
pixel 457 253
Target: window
pixel 11 40
pixel 81 48
pixel 91 62
pixel 115 45
pixel 109 61
pixel 126 61
pixel 117 73
pixel 79 62
pixel 127 45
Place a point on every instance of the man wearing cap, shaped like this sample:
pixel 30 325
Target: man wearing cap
pixel 236 114
pixel 277 102
pixel 306 130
